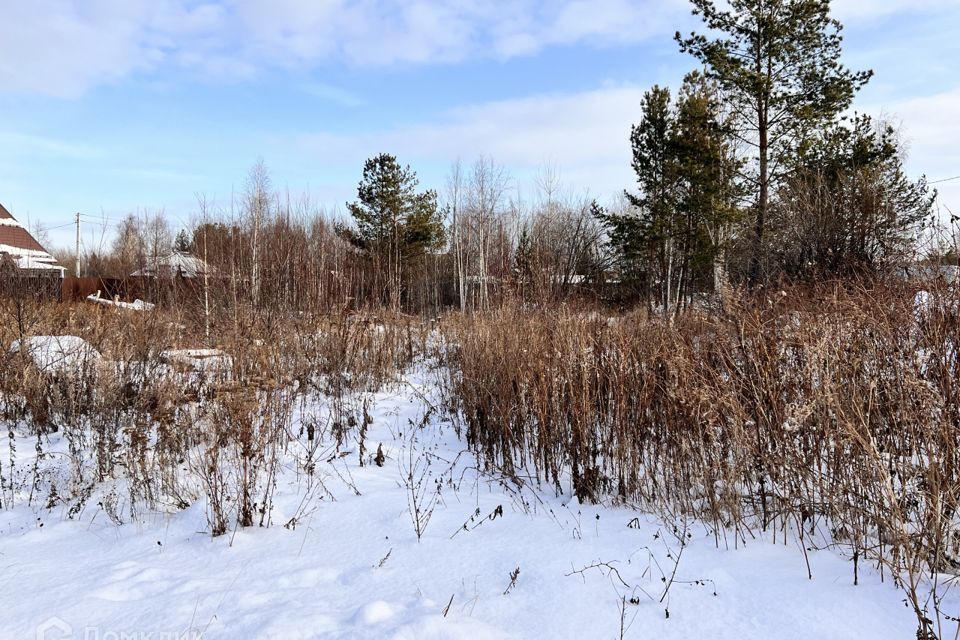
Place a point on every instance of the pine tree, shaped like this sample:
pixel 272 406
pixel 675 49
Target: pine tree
pixel 848 205
pixel 647 236
pixel 706 168
pixel 182 243
pixel 650 142
pixel 641 238
pixel 686 171
pixel 523 259
pixel 394 223
pixel 778 62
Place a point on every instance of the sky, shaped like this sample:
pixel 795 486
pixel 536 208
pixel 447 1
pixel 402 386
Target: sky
pixel 109 107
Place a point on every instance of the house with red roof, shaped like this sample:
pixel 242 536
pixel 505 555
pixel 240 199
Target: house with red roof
pixel 24 262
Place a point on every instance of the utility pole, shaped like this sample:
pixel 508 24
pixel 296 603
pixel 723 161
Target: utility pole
pixel 77 266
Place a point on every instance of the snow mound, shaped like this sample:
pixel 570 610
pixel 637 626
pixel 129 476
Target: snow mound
pixel 57 353
pixel 377 612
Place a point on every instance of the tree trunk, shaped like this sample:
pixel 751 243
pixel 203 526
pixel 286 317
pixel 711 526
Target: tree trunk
pixel 763 132
pixel 762 204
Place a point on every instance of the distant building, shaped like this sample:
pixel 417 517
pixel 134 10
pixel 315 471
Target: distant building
pixel 23 261
pixel 175 265
pixel 18 245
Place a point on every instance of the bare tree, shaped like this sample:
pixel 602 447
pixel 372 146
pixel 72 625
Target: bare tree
pixel 488 186
pixel 564 238
pixel 455 205
pixel 256 207
pixel 158 237
pixel 129 245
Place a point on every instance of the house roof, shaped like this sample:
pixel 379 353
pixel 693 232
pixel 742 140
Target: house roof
pixel 21 246
pixel 176 264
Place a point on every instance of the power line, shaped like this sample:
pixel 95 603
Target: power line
pixel 59 226
pixel 944 180
pixel 92 218
pixel 102 223
pixel 89 217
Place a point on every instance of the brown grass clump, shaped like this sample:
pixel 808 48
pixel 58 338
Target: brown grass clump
pixel 832 414
pixel 164 431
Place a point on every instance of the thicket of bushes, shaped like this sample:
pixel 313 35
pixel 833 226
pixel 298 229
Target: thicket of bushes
pixel 832 415
pixel 828 414
pixel 163 434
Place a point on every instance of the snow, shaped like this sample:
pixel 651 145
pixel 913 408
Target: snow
pixel 922 303
pixel 27 262
pixel 58 353
pixel 25 253
pixel 351 566
pixel 176 264
pixel 136 305
pixel 31 258
pixel 377 612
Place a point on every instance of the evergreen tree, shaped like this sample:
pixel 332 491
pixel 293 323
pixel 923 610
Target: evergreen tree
pixel 523 261
pixel 708 192
pixel 685 168
pixel 778 62
pixel 848 206
pixel 650 141
pixel 183 243
pixel 642 238
pixel 394 222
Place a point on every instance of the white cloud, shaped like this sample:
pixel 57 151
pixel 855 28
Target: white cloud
pixel 20 145
pixel 586 135
pixel 931 130
pixel 55 47
pixel 873 9
pixel 64 47
pixel 383 32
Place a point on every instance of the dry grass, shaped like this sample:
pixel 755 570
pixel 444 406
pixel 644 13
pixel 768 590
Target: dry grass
pixel 830 415
pixel 166 434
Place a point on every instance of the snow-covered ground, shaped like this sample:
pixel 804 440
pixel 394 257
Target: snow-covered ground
pixel 352 567
pixel 55 353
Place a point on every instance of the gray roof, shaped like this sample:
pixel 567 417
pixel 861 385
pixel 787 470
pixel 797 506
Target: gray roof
pixel 175 264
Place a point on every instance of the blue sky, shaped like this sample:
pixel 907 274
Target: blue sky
pixel 113 106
